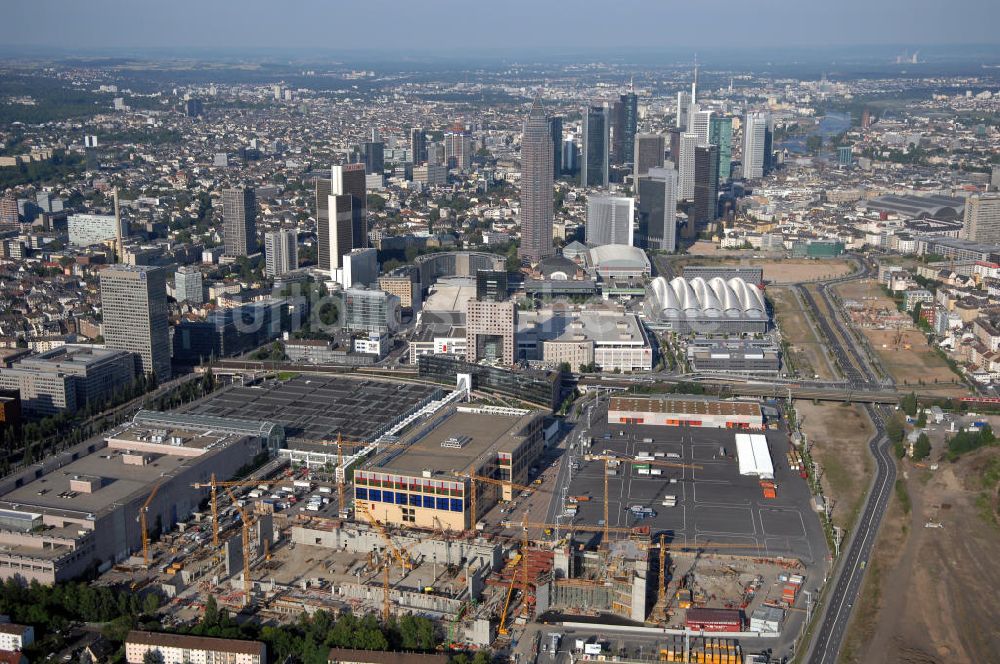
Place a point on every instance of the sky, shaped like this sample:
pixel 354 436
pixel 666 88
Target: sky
pixel 504 26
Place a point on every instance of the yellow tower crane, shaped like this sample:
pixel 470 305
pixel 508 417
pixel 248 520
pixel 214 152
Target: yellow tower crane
pixel 214 485
pixel 473 504
pixel 143 524
pixel 245 518
pixel 609 459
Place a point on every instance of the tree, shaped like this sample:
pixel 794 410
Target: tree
pixel 150 603
pixel 894 429
pixel 921 419
pixel 211 615
pixel 909 404
pixel 922 448
pixel 152 657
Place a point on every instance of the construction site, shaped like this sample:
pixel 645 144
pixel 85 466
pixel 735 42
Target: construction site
pixel 490 519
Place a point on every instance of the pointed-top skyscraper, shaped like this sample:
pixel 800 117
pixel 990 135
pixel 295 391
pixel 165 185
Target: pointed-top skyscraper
pixel 536 186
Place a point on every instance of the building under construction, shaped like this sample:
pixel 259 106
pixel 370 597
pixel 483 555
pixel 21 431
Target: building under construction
pixel 80 509
pixel 590 582
pixel 426 480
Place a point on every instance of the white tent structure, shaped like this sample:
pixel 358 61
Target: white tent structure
pixel 754 455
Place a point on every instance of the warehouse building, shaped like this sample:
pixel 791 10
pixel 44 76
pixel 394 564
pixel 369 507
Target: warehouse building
pixel 748 273
pixel 754 456
pixel 673 411
pixel 714 620
pixel 756 356
pixel 419 485
pixel 78 510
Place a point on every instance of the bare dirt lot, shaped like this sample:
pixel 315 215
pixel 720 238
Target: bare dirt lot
pixel 911 362
pixel 805 348
pixel 839 435
pixel 933 595
pixel 919 366
pixel 776 270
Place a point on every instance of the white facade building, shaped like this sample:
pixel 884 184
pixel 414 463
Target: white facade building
pixel 609 220
pixel 685 166
pixel 88 229
pixel 754 138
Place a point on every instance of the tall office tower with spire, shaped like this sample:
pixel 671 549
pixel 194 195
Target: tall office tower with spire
pixel 721 133
pixel 281 252
pixel 134 313
pixel 626 120
pixel 349 180
pixel 536 187
pixel 982 219
pixel 649 151
pixel 594 154
pixel 754 140
pixel 418 145
pixel 556 129
pixel 685 166
pixel 706 186
pixel 239 216
pixel 658 209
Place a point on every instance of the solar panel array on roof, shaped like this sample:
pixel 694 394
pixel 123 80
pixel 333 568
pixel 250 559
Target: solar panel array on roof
pixel 318 408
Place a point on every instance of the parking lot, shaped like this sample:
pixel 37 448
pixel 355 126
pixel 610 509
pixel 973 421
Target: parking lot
pixel 713 502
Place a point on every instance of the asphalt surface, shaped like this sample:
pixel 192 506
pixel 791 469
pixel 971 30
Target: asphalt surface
pixel 849 574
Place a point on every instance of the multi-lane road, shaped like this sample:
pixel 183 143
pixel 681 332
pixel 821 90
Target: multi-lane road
pixel 849 573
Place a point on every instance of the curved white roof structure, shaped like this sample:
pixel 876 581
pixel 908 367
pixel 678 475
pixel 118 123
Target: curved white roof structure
pixel 698 298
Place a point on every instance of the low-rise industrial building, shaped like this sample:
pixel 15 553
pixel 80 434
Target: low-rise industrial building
pixel 678 411
pixel 734 356
pixel 421 485
pixel 767 619
pixel 714 620
pixel 78 510
pixel 748 273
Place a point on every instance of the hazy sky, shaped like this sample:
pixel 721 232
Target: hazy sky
pixel 432 25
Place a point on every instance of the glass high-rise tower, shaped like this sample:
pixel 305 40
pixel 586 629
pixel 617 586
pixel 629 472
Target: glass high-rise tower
pixel 720 132
pixel 536 187
pixel 594 155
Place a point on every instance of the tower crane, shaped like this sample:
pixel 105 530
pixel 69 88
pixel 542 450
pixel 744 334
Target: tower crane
pixel 609 459
pixel 342 472
pixel 214 485
pixel 397 553
pixel 143 524
pixel 245 519
pixel 473 478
